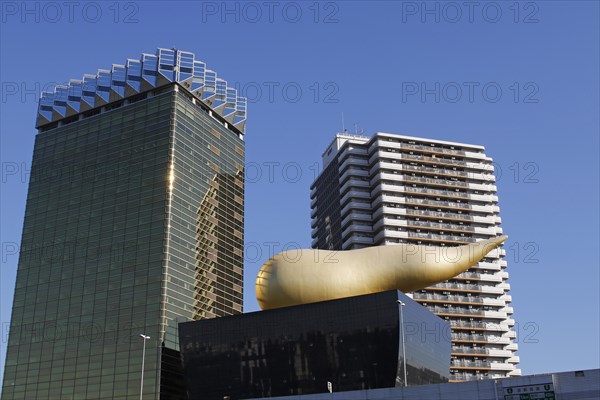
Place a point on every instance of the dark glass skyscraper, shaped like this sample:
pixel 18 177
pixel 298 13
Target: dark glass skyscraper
pixel 134 222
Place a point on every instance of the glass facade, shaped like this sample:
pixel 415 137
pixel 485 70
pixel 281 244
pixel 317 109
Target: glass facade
pixel 354 343
pixel 114 245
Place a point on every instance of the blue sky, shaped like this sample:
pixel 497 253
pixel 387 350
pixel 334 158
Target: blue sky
pixel 522 79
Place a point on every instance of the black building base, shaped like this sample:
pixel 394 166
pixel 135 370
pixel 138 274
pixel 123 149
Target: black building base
pixel 354 343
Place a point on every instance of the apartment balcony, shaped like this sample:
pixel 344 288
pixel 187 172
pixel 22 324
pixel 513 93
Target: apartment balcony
pixel 434 171
pixel 453 311
pixel 498 340
pixel 515 372
pixel 479 156
pixel 507 298
pixel 476 276
pixel 511 334
pixel 491 230
pixel 483 187
pixel 495 266
pixel 468 325
pixel 440 226
pixel 479 166
pixel 466 312
pixel 356 161
pixel 464 287
pixel 435 160
pixel 436 148
pixel 388 234
pixel 436 203
pixel 355 194
pixel 356 205
pixel 355 183
pixel 459 337
pixel 391 207
pixel 434 182
pixel 446 299
pixel 478 326
pixel 357 240
pixel 484 198
pixel 353 216
pixel 388 222
pixel 464 364
pixel 385 159
pixel 432 149
pixel 356 172
pixel 464 377
pixel 356 228
pixel 349 151
pixel 439 215
pixel 487 209
pixel 501 353
pixel 470 351
pixel 394 183
pixel 497 366
pixel 436 192
pixel 481 176
pixel 441 238
pixel 512 346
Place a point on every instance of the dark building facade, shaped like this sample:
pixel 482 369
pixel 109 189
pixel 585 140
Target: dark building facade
pixel 134 222
pixel 355 343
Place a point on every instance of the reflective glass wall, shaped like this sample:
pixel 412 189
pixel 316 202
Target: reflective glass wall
pixel 111 248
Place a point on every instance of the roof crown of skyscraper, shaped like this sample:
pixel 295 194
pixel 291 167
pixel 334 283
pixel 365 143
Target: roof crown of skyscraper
pixel 137 76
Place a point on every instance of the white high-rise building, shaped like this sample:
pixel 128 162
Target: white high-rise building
pixel 390 189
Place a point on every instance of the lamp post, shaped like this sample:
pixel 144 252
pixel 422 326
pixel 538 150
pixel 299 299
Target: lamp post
pixel 401 304
pixel 144 337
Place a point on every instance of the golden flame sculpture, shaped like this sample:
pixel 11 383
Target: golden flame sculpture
pixel 307 276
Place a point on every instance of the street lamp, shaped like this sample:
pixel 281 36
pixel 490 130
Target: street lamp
pixel 145 337
pixel 403 339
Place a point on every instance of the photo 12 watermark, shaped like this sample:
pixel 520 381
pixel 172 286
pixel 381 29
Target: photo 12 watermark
pixel 436 92
pixel 253 12
pixel 53 12
pixel 471 12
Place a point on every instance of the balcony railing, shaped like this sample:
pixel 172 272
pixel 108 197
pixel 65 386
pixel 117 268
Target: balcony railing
pixel 470 350
pixel 441 237
pixel 438 225
pixel 434 159
pixel 465 377
pixel 440 203
pixel 409 178
pixel 470 364
pixel 455 310
pixel 446 193
pixel 431 149
pixel 448 298
pixel 382 144
pixel 469 337
pixel 468 324
pixel 439 214
pixel 459 286
pixel 440 171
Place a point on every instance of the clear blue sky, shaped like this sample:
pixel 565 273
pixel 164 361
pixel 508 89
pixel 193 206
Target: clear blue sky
pixel 521 80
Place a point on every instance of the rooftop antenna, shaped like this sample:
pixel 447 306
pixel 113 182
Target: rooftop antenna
pixel 343 124
pixel 357 130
